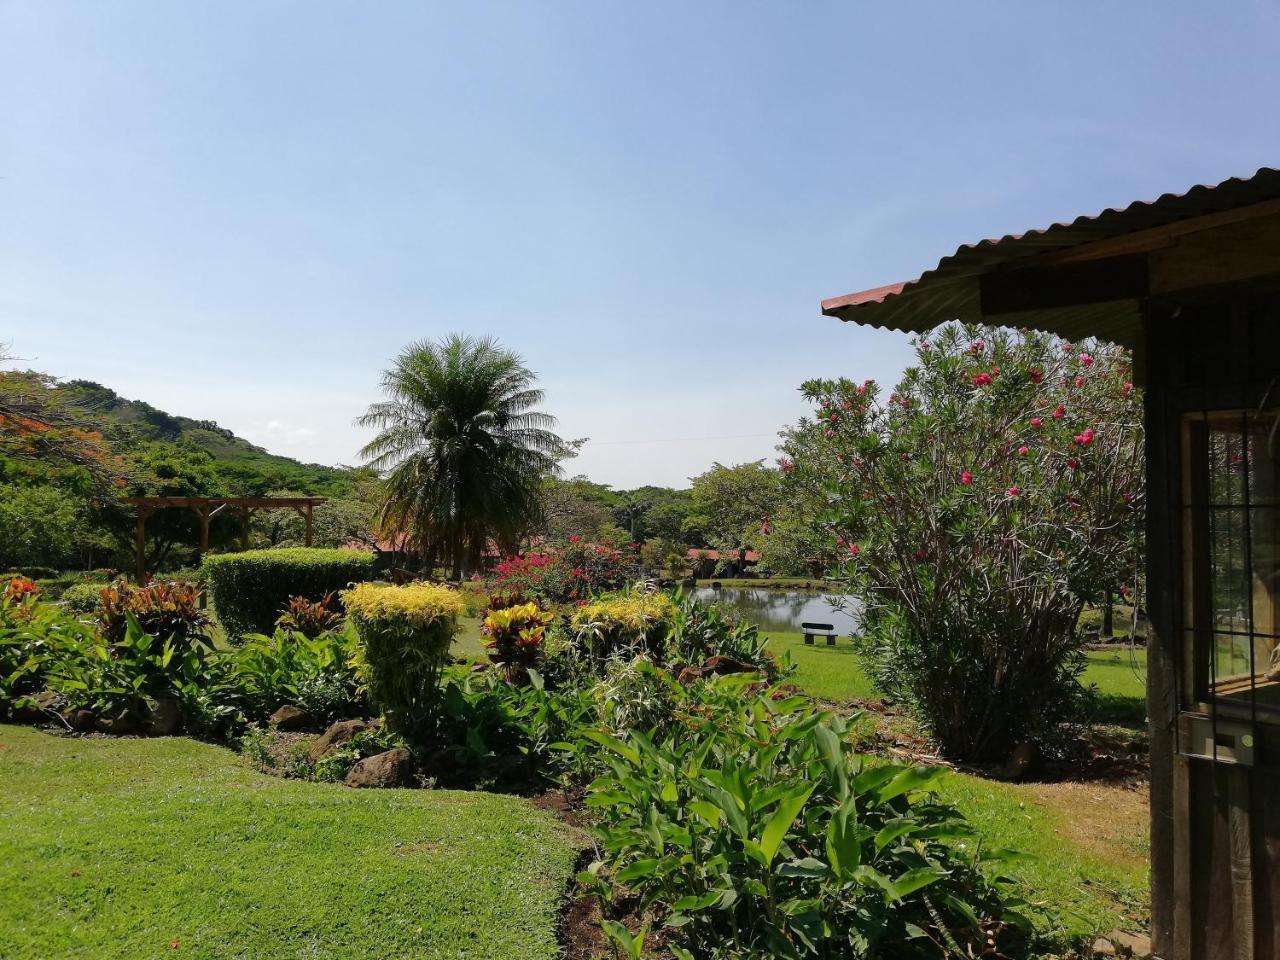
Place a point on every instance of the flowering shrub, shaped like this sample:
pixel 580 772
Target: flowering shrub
pixel 516 636
pixel 566 575
pixel 995 492
pixel 20 588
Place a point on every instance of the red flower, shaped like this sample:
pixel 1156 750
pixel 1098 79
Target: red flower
pixel 1126 389
pixel 1058 412
pixel 924 344
pixel 828 433
pixel 1023 450
pixel 966 478
pixel 1066 347
pixel 1085 437
pixel 853 549
pixel 1128 498
pixel 1036 375
pixel 1037 422
pixel 1086 360
pixel 981 379
pixel 834 418
pixel 785 464
pixel 977 345
pixel 1014 491
pixel 1078 381
pixel 1072 463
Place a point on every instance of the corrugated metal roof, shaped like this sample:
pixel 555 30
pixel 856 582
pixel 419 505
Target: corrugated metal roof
pixel 950 290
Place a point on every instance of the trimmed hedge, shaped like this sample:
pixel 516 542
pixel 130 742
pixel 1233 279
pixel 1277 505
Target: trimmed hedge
pixel 405 634
pixel 251 588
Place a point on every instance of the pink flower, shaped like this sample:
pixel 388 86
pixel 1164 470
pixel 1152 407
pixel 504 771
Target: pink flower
pixel 1078 381
pixel 1085 437
pixel 981 379
pixel 834 418
pixel 861 390
pixel 853 549
pixel 1066 348
pixel 1014 491
pixel 1036 375
pixel 1058 411
pixel 924 344
pixel 1126 389
pixel 966 478
pixel 977 345
pixel 575 538
pixel 785 464
pixel 1073 463
pixel 1037 422
pixel 1023 450
pixel 1086 360
pixel 828 433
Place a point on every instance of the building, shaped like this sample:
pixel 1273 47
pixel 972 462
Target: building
pixel 1190 282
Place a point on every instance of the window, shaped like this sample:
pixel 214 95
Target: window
pixel 1231 507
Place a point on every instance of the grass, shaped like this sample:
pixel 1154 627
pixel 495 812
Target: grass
pixel 123 847
pixel 1088 867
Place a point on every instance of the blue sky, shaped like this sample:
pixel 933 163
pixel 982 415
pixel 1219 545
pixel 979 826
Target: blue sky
pixel 242 211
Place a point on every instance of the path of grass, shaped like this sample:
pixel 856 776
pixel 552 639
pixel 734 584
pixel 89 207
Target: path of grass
pixel 120 848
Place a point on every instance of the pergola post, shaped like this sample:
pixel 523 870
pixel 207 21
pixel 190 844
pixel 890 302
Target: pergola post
pixel 308 519
pixel 140 547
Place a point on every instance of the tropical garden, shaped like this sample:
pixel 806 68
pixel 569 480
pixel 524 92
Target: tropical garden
pixel 579 748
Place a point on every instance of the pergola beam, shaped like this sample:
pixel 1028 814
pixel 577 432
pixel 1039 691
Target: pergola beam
pixel 208 507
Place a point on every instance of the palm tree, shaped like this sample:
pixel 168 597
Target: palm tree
pixel 463 446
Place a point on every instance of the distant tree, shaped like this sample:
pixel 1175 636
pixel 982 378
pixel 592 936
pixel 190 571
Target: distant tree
pixel 44 526
pixel 575 508
pixel 464 446
pixel 732 504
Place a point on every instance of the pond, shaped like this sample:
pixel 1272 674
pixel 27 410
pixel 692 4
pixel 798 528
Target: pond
pixel 782 610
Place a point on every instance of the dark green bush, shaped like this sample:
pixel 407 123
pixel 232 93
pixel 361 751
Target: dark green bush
pixel 251 589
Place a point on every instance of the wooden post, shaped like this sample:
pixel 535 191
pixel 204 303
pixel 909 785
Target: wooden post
pixel 308 520
pixel 246 514
pixel 141 547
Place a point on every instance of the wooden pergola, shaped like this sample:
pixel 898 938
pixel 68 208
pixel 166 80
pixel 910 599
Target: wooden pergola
pixel 206 508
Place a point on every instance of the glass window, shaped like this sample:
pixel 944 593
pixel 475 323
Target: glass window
pixel 1232 524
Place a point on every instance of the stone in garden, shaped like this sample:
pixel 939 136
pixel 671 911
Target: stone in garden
pixel 35 710
pixel 81 720
pixel 1136 945
pixel 338 734
pixel 118 723
pixel 721 666
pixel 290 717
pixel 1102 947
pixel 690 674
pixel 166 718
pixel 391 769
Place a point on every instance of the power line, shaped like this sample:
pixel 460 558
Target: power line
pixel 727 436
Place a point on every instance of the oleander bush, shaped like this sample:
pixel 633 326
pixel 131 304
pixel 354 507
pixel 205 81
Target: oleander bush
pixel 752 829
pixel 625 624
pixel 567 574
pixel 405 632
pixel 250 588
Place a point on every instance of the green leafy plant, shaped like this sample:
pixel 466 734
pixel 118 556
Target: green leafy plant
pixel 314 673
pixel 516 636
pixel 250 588
pixel 636 695
pixel 405 634
pixel 699 630
pixel 83 598
pixel 753 830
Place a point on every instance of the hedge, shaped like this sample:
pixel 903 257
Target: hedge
pixel 251 588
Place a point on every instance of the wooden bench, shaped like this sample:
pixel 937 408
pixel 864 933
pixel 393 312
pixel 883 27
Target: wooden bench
pixel 812 630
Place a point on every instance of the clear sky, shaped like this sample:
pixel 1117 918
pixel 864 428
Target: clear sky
pixel 241 211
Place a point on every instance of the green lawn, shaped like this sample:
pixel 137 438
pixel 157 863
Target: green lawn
pixel 120 848
pixel 834 673
pixel 1088 843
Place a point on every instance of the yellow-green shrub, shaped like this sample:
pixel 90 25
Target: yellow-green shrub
pixel 631 623
pixel 405 634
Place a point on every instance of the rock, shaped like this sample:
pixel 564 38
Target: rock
pixel 81 720
pixel 1136 945
pixel 1103 947
pixel 118 723
pixel 290 717
pixel 391 769
pixel 36 708
pixel 1021 762
pixel 338 734
pixel 721 666
pixel 166 718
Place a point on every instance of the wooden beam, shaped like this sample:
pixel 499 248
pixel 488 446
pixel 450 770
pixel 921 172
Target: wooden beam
pixel 1048 288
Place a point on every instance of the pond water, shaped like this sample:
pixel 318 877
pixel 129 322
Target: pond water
pixel 782 610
